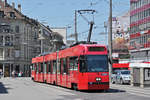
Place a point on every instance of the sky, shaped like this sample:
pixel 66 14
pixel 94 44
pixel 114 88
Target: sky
pixel 60 13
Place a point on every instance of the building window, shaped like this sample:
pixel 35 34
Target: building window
pixel 1 53
pixel 17 29
pixel 8 52
pixel 1 14
pixel 12 14
pixel 35 35
pixel 1 40
pixel 8 41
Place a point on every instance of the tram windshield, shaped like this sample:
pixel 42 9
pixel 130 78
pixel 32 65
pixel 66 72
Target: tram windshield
pixel 94 63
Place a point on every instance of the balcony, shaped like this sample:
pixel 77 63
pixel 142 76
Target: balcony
pixel 4 28
pixel 4 31
pixel 7 44
pixel 6 58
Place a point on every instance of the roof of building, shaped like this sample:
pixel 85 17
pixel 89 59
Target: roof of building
pixel 26 18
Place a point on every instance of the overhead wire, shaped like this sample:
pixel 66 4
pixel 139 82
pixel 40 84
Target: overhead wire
pixel 94 3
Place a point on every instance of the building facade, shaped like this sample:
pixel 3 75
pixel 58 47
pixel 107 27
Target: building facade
pixel 21 39
pixel 120 36
pixel 140 30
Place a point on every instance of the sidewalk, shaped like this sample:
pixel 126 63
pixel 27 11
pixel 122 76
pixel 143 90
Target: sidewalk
pixel 132 89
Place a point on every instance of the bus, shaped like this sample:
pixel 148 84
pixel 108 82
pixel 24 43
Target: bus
pixel 80 67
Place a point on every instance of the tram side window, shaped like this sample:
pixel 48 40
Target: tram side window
pixel 45 67
pixel 64 65
pixel 76 63
pixel 54 66
pixel 59 66
pixel 41 67
pixel 33 66
pixel 73 63
pixel 38 67
pixel 83 64
pixel 49 66
pixel 67 66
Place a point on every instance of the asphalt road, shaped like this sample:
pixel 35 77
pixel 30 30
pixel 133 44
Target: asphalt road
pixel 26 89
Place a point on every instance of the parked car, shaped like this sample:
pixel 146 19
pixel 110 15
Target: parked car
pixel 121 76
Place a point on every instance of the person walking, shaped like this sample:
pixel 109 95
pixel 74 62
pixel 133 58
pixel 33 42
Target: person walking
pixel 13 73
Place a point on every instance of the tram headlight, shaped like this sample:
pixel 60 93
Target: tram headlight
pixel 98 79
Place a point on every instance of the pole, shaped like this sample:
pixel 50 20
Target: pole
pixel 105 26
pixel 41 46
pixel 10 69
pixel 110 37
pixel 76 35
pixel 3 70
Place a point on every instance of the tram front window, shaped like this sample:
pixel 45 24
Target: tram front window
pixel 94 63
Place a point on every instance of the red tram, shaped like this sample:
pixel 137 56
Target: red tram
pixel 82 67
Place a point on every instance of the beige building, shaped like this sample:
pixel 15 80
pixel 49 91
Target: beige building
pixel 21 39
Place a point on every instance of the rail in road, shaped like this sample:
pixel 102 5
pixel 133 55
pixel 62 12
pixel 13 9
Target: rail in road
pixel 133 89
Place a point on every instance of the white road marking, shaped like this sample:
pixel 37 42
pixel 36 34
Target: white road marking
pixel 78 99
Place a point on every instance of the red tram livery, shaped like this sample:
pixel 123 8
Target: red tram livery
pixel 81 67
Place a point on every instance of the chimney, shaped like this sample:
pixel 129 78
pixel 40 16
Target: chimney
pixel 19 7
pixel 13 5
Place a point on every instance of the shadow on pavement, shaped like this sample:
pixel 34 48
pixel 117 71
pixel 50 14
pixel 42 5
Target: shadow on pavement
pixel 115 90
pixel 3 90
pixel 105 91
